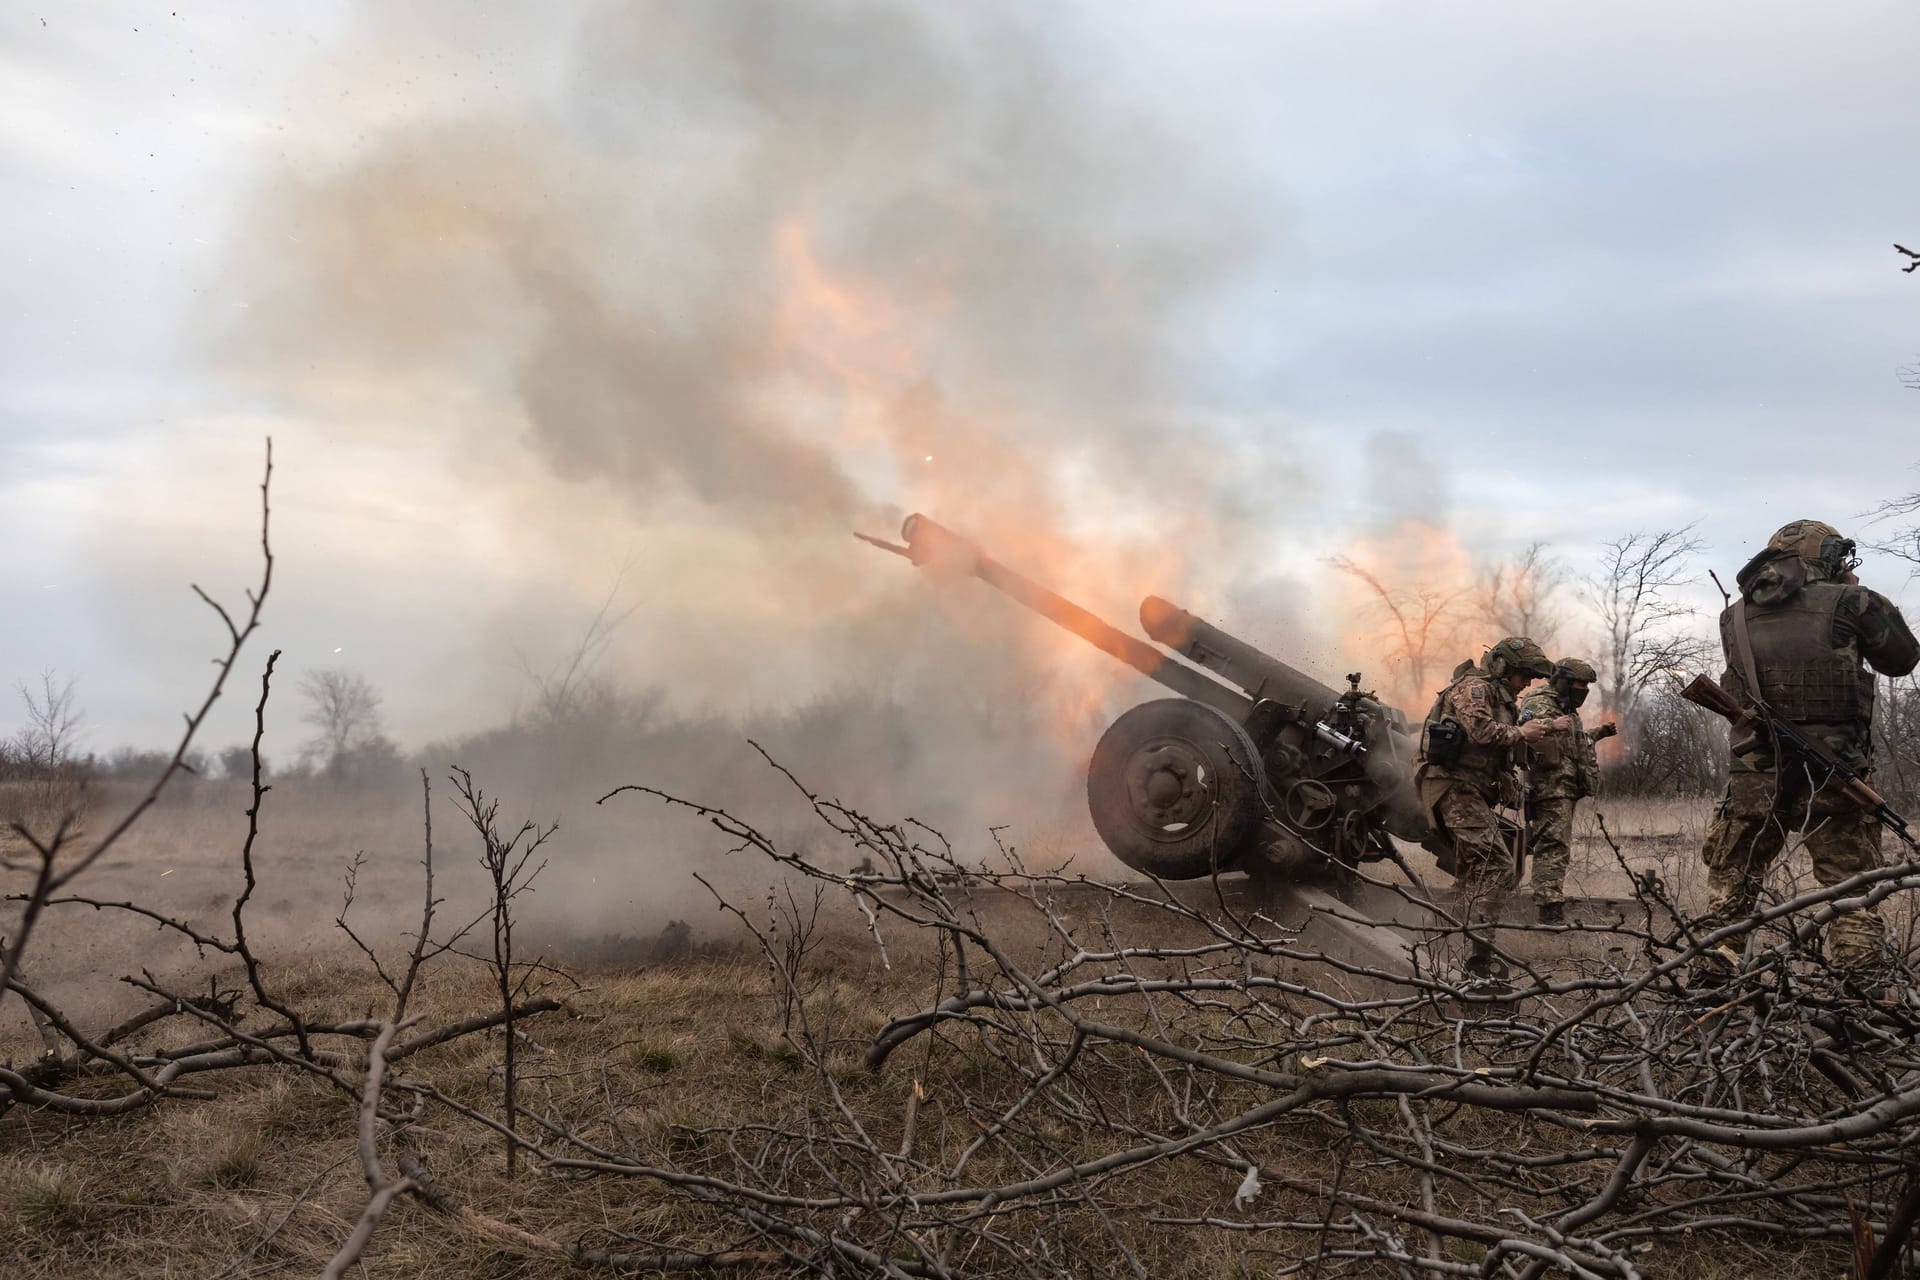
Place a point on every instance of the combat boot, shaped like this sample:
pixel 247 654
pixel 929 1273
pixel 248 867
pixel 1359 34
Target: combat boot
pixel 1550 912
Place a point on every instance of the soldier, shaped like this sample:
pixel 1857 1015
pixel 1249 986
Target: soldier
pixel 1802 635
pixel 1465 766
pixel 1565 771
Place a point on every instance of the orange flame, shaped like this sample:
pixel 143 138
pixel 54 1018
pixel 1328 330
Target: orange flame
pixel 864 350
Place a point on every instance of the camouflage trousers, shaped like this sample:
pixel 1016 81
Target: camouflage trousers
pixel 1478 857
pixel 1748 833
pixel 1550 842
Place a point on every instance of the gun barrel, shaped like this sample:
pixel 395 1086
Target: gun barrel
pixel 933 545
pixel 1368 769
pixel 1261 674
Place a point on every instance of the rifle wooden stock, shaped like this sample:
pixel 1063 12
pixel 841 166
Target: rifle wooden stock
pixel 1704 692
pixel 1748 731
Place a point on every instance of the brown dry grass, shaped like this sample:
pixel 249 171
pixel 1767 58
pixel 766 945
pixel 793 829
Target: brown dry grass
pixel 661 1052
pixel 657 1053
pixel 189 1188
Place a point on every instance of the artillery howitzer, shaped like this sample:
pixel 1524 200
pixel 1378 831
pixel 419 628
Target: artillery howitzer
pixel 1256 766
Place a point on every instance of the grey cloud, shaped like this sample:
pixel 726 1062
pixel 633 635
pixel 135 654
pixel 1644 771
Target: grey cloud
pixel 626 252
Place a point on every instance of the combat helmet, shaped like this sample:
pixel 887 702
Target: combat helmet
pixel 1516 654
pixel 1569 672
pixel 1816 542
pixel 1573 669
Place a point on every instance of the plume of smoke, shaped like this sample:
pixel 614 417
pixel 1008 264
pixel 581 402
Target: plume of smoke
pixel 724 281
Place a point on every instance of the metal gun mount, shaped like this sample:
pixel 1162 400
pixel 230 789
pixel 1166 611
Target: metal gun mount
pixel 1255 766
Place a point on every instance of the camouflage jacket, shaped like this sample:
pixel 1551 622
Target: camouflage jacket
pixel 1563 762
pixel 1485 709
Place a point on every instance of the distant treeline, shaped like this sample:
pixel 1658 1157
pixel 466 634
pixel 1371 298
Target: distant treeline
pixel 860 744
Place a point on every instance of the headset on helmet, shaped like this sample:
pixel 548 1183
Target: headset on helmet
pixel 1517 654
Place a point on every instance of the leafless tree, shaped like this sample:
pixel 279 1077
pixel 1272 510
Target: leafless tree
pixel 1579 1133
pixel 60 856
pixel 344 710
pixel 1595 1125
pixel 1898 534
pixel 46 743
pixel 1595 1120
pixel 793 927
pixel 1516 597
pixel 1646 630
pixel 1419 621
pixel 78 1073
pixel 505 858
pixel 1674 749
pixel 1896 737
pixel 567 687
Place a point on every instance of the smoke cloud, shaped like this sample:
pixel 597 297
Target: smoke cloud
pixel 789 271
pixel 712 285
pixel 767 262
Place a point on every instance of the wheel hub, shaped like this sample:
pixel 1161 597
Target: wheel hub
pixel 1168 787
pixel 1175 789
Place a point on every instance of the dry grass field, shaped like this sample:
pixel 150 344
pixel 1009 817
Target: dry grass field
pixel 264 1183
pixel 659 1055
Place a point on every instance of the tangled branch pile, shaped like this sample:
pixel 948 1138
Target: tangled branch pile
pixel 1596 1119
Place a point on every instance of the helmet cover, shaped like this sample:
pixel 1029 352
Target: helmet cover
pixel 1805 538
pixel 1571 676
pixel 1518 654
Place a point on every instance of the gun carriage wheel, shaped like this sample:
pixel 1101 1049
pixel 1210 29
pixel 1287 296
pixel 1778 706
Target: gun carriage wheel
pixel 1175 789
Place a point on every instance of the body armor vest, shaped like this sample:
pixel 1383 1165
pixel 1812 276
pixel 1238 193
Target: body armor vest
pixel 1474 757
pixel 1802 676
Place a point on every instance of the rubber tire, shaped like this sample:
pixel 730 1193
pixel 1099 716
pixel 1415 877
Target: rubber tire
pixel 1232 765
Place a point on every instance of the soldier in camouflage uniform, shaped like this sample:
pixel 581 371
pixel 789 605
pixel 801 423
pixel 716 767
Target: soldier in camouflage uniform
pixel 1812 638
pixel 1564 772
pixel 1466 766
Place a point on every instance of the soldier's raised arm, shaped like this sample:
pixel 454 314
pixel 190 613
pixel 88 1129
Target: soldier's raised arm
pixel 1882 635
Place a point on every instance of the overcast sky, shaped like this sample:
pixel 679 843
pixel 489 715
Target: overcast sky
pixel 1528 271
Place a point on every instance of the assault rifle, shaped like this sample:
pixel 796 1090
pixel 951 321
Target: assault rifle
pixel 1752 727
